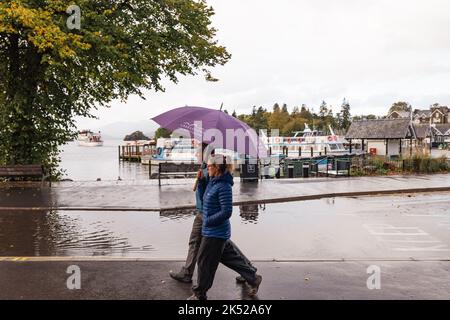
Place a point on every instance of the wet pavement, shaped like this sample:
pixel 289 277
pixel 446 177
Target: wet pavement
pixel 372 227
pixel 312 249
pixel 289 280
pixel 177 193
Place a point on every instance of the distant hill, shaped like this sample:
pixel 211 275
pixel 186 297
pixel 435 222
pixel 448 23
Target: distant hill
pixel 135 136
pixel 118 130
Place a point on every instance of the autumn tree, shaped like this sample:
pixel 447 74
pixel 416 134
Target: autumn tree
pixel 306 114
pixel 400 106
pixel 50 74
pixel 278 118
pixel 259 119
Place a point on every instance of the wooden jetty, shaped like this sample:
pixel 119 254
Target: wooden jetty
pixel 134 152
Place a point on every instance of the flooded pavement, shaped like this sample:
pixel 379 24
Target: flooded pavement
pixel 381 227
pixel 146 195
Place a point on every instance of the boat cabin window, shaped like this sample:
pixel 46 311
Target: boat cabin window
pixel 333 146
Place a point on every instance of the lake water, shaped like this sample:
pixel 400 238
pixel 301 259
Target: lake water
pixel 91 163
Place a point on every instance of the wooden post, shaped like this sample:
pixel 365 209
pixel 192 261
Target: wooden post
pixel 325 150
pixel 351 146
pixel 119 152
pixel 410 147
pixel 159 175
pixel 150 168
pixel 312 152
pixel 387 147
pixel 299 151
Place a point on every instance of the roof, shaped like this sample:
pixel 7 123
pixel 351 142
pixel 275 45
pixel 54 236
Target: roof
pixel 442 129
pixel 422 130
pixel 401 114
pixel 419 113
pixel 380 129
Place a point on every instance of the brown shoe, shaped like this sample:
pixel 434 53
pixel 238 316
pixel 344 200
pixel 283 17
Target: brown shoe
pixel 254 287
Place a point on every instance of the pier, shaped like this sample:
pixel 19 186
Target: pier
pixel 135 152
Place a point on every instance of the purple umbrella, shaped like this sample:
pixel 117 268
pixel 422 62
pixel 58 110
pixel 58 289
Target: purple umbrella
pixel 213 127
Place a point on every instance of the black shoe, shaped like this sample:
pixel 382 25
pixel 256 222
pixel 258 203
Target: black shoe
pixel 180 276
pixel 240 279
pixel 255 286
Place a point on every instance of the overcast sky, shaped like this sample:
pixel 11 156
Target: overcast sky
pixel 372 52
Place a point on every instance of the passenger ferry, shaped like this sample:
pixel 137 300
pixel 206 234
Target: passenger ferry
pixel 307 143
pixel 87 138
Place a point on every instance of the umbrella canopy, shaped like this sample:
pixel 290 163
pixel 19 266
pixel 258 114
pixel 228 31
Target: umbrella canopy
pixel 213 127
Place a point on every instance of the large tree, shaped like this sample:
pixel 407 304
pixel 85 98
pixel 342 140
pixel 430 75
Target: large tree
pixel 325 117
pixel 345 116
pixel 400 106
pixel 50 74
pixel 278 118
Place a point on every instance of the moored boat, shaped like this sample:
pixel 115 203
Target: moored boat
pixel 307 143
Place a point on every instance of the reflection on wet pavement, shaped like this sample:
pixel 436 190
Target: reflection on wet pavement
pixel 50 233
pixel 250 213
pixel 37 197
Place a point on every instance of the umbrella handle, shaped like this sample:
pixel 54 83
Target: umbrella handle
pixel 195 185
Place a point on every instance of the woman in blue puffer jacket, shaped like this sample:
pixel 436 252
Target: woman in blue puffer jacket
pixel 216 231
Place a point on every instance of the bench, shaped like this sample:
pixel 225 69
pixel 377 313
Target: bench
pixel 24 171
pixel 175 169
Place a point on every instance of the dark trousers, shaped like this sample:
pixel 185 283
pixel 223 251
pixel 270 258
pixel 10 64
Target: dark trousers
pixel 240 263
pixel 213 251
pixel 194 244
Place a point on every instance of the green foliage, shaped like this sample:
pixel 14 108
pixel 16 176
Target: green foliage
pixel 278 118
pixel 400 106
pixel 295 124
pixel 50 75
pixel 162 133
pixel 346 119
pixel 418 163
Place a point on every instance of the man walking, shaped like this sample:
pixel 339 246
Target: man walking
pixel 242 264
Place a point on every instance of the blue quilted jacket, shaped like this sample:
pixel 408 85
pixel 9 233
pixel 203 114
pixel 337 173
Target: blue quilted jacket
pixel 218 207
pixel 201 188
